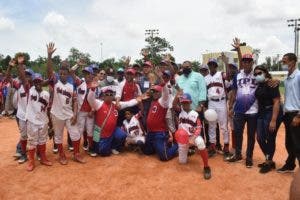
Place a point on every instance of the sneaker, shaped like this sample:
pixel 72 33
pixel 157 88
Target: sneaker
pixel 17 155
pixel 267 166
pixel 70 148
pixel 92 153
pixel 235 158
pixel 219 148
pixel 207 173
pixel 86 147
pixel 285 169
pixel 249 163
pixel 115 152
pixel 22 159
pixel 55 150
pixel 273 165
pixel 191 151
pixel 227 155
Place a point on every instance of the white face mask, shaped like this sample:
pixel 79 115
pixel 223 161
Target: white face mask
pixel 110 79
pixel 260 78
pixel 285 67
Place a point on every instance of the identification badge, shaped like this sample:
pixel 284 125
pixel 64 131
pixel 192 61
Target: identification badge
pixel 146 84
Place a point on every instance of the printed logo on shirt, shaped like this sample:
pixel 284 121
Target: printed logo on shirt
pixel 154 109
pixel 63 92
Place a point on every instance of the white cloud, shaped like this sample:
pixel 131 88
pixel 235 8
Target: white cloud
pixel 54 19
pixel 6 24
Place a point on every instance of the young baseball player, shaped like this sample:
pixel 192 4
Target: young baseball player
pixel 133 128
pixel 108 138
pixel 158 134
pixel 37 122
pixel 85 119
pixel 217 101
pixel 64 109
pixel 188 132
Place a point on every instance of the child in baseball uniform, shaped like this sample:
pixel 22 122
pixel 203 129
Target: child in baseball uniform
pixel 37 122
pixel 108 138
pixel 133 128
pixel 64 108
pixel 188 133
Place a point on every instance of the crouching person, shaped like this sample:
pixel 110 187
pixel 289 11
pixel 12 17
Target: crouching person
pixel 37 122
pixel 107 137
pixel 188 132
pixel 158 134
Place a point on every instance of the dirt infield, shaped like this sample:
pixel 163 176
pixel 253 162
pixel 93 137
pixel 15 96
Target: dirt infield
pixel 133 176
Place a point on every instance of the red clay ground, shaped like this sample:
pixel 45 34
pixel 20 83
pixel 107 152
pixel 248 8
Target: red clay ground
pixel 132 176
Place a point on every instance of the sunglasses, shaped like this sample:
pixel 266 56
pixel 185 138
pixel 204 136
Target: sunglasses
pixel 247 60
pixel 258 73
pixel 109 94
pixel 101 73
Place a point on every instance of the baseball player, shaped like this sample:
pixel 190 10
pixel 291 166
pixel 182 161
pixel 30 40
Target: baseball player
pixel 37 122
pixel 188 132
pixel 217 101
pixel 108 138
pixel 64 109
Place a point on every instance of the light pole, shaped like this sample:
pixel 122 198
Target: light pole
pixel 294 23
pixel 151 32
pixel 101 44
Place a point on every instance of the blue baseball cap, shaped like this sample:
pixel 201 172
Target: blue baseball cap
pixel 88 69
pixel 37 76
pixel 94 66
pixel 186 97
pixel 212 60
pixel 29 71
pixel 167 72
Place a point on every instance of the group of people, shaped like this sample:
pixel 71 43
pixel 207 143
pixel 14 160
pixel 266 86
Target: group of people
pixel 156 110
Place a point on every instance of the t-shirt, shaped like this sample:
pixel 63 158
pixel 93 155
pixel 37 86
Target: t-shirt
pixel 265 96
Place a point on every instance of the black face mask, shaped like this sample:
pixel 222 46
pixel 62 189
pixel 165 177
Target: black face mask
pixel 186 71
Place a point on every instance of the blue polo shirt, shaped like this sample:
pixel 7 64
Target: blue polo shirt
pixel 292 92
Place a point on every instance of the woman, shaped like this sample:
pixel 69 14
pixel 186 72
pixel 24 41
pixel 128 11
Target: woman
pixel 269 116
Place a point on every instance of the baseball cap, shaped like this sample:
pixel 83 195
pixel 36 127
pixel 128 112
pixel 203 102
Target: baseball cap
pixel 147 63
pixel 88 69
pixel 247 56
pixel 186 97
pixel 167 72
pixel 120 70
pixel 157 88
pixel 212 60
pixel 136 65
pixel 164 63
pixel 233 65
pixel 29 71
pixel 204 66
pixel 37 76
pixel 107 89
pixel 94 66
pixel 131 70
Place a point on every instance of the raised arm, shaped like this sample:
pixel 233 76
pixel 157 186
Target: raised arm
pixel 236 44
pixel 21 69
pixel 12 63
pixel 94 103
pixel 50 50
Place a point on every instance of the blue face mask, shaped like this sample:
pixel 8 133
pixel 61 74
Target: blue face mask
pixel 260 78
pixel 284 67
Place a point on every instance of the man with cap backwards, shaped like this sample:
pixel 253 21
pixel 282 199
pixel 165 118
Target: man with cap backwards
pixel 108 138
pixel 245 109
pixel 22 92
pixel 216 96
pixel 188 132
pixel 157 130
pixel 37 121
pixel 85 116
pixel 64 108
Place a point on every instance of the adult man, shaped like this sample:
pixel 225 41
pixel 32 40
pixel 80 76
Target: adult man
pixel 292 112
pixel 217 101
pixel 245 109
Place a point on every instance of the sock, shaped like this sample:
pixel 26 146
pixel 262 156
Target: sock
pixel 204 155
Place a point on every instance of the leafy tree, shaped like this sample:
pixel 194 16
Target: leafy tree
pixel 75 55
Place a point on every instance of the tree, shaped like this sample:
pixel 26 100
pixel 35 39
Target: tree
pixel 156 47
pixel 195 65
pixel 111 62
pixel 268 62
pixel 75 55
pixel 4 62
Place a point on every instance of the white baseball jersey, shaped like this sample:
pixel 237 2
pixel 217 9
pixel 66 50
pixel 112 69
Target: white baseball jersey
pixel 81 93
pixel 62 100
pixel 22 98
pixel 189 122
pixel 36 110
pixel 133 127
pixel 215 86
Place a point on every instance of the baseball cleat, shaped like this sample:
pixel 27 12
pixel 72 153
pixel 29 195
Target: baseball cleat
pixel 207 173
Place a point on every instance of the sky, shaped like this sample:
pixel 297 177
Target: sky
pixel 193 27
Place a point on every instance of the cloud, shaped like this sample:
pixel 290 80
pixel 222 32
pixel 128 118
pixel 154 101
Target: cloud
pixel 54 19
pixel 6 24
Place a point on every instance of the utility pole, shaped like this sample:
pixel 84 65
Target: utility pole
pixel 151 32
pixel 295 23
pixel 101 51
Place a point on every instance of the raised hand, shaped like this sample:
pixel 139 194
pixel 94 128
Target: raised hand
pixel 236 43
pixel 50 49
pixel 145 52
pixel 167 57
pixel 81 62
pixel 127 60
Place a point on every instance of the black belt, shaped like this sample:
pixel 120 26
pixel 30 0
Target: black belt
pixel 218 99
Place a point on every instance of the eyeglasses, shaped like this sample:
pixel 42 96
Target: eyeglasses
pixel 109 94
pixel 258 73
pixel 101 73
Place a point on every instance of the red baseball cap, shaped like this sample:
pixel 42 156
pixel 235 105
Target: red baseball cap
pixel 147 63
pixel 247 56
pixel 157 88
pixel 131 70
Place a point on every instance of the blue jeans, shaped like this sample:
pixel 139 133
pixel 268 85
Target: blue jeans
pixel 265 138
pixel 115 141
pixel 239 121
pixel 156 142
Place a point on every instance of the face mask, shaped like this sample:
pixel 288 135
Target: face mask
pixel 186 71
pixel 284 67
pixel 110 79
pixel 260 78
